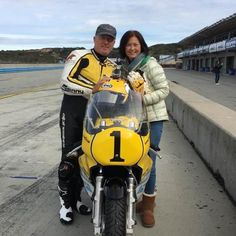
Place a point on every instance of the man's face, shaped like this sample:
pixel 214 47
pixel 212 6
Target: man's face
pixel 103 44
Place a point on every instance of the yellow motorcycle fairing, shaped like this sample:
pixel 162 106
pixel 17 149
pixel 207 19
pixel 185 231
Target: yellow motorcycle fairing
pixel 115 85
pixel 145 164
pixel 86 163
pixel 116 146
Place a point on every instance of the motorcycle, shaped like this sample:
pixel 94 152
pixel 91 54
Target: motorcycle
pixel 115 165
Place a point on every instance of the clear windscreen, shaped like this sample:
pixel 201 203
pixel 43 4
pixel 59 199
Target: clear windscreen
pixel 109 109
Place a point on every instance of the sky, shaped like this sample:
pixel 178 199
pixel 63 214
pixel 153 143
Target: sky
pixel 35 24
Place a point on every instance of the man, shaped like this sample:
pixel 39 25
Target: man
pixel 83 69
pixel 217 70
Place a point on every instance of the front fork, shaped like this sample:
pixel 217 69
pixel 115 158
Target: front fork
pixel 97 203
pixel 130 220
pixel 97 209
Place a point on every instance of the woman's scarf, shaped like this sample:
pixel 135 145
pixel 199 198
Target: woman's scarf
pixel 134 65
pixel 136 62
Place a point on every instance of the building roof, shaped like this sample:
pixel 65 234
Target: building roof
pixel 209 33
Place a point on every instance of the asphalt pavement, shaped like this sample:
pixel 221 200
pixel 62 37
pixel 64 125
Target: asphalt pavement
pixel 190 201
pixel 203 83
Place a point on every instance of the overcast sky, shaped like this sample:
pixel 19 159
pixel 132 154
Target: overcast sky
pixel 28 24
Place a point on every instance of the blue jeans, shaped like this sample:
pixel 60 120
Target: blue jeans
pixel 156 132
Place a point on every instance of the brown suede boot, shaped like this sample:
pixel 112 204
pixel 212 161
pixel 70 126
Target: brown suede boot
pixel 148 205
pixel 139 207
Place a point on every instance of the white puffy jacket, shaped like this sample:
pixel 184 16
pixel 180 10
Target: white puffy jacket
pixel 156 90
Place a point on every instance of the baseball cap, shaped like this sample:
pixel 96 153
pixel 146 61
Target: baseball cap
pixel 106 29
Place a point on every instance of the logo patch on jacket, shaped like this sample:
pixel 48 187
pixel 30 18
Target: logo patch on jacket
pixel 70 57
pixel 70 90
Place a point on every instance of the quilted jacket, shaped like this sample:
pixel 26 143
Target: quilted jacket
pixel 156 90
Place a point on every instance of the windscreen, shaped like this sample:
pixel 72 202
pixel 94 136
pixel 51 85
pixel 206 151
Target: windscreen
pixel 109 109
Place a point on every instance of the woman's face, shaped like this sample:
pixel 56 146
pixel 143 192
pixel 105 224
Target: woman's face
pixel 133 48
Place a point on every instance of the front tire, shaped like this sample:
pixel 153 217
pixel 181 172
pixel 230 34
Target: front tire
pixel 115 217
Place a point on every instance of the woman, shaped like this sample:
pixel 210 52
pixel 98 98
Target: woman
pixel 134 50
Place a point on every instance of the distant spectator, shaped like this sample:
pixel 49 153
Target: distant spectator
pixel 217 69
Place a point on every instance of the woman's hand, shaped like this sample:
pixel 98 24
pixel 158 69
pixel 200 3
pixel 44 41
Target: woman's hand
pixel 100 82
pixel 136 81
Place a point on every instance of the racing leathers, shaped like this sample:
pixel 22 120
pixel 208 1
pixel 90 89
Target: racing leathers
pixel 83 69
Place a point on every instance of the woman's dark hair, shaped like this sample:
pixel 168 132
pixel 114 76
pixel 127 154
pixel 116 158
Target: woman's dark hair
pixel 125 38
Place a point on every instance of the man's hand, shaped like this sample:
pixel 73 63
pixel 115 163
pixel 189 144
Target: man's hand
pixel 100 83
pixel 136 81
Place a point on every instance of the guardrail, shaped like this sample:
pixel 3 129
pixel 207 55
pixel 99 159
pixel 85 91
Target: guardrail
pixel 28 69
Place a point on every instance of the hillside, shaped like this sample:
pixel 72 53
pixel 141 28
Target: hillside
pixel 164 49
pixel 45 55
pixel 55 55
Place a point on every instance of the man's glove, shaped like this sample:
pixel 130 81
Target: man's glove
pixel 136 81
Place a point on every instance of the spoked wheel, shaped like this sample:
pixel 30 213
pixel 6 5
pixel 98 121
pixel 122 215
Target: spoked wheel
pixel 115 217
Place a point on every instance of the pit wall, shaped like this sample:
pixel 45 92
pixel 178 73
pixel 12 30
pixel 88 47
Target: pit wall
pixel 210 128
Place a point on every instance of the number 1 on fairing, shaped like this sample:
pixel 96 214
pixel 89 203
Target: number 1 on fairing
pixel 116 157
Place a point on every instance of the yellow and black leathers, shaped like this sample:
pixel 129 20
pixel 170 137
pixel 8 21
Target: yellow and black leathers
pixel 83 69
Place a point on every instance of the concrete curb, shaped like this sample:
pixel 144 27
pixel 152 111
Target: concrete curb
pixel 210 128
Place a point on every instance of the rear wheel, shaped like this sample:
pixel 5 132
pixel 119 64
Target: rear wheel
pixel 115 217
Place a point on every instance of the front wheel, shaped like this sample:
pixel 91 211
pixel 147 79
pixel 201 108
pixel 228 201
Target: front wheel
pixel 115 217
